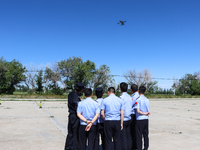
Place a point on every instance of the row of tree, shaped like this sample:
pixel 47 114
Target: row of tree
pixel 59 77
pixel 188 84
pixel 62 76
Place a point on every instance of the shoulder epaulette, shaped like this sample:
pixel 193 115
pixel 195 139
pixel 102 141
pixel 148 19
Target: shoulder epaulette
pixel 96 101
pixel 137 97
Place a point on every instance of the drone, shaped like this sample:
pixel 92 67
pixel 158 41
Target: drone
pixel 122 22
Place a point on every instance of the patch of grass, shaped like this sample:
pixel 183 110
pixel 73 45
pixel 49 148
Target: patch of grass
pixel 51 116
pixel 24 95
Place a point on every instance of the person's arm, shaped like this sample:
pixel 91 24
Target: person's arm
pixel 82 117
pixel 122 118
pixel 74 99
pixel 95 118
pixel 103 114
pixel 142 113
pixel 92 122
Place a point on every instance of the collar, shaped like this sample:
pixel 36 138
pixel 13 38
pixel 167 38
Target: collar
pixel 134 93
pixel 88 98
pixel 112 95
pixel 124 93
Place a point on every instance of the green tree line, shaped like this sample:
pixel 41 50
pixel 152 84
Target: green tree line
pixel 60 77
pixel 188 84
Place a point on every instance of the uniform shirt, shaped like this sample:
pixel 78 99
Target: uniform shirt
pixel 112 105
pixel 100 100
pixel 134 97
pixel 142 103
pixel 73 99
pixel 127 100
pixel 88 108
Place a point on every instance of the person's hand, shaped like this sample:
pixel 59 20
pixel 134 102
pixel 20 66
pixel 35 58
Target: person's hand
pixel 88 122
pixel 88 127
pixel 121 126
pixel 147 113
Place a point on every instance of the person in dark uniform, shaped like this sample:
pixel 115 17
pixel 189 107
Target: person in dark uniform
pixel 73 120
pixel 99 94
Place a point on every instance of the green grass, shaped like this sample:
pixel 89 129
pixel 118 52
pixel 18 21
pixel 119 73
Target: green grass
pixel 24 95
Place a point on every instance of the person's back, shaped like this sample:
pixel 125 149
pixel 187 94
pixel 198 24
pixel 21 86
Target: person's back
pixel 73 120
pixel 100 121
pixel 88 112
pixel 142 123
pixel 112 111
pixel 112 106
pixel 126 141
pixel 127 105
pixel 134 96
pixel 143 105
pixel 100 101
pixel 88 108
pixel 73 99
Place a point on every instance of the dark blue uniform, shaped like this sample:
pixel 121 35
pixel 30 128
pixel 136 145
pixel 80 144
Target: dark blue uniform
pixel 73 122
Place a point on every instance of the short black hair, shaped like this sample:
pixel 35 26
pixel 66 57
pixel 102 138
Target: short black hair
pixel 142 89
pixel 111 90
pixel 99 92
pixel 123 87
pixel 134 87
pixel 88 92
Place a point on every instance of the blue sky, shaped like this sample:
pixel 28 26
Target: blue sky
pixel 160 35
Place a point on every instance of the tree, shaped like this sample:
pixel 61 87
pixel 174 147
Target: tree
pixel 53 75
pixel 184 85
pixel 46 81
pixel 195 87
pixel 74 70
pixel 84 72
pixel 39 82
pixel 11 74
pixel 31 75
pixel 152 87
pixel 140 78
pixel 3 82
pixel 101 78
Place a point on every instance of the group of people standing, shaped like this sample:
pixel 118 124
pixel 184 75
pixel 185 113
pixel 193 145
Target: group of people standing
pixel 120 120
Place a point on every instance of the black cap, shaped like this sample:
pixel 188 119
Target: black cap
pixel 99 92
pixel 80 85
pixel 99 89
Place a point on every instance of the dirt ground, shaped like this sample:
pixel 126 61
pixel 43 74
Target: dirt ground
pixel 174 125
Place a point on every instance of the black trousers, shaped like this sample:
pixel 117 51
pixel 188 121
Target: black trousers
pixel 133 133
pixel 84 135
pixel 126 141
pixel 100 130
pixel 72 136
pixel 112 129
pixel 142 129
